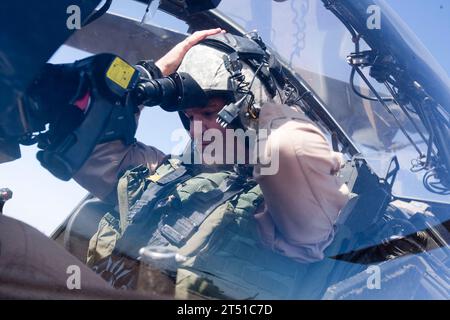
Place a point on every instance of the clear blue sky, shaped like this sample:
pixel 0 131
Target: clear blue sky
pixel 44 201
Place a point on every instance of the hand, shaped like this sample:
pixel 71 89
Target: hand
pixel 169 63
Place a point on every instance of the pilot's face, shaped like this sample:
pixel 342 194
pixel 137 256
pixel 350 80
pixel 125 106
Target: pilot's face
pixel 205 118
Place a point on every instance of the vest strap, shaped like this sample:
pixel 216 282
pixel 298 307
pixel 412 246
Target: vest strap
pixel 155 190
pixel 180 228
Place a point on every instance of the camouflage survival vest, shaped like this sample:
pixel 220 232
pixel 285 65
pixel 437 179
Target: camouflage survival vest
pixel 208 218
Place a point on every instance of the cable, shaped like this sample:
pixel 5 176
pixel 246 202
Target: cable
pixel 405 111
pixel 304 94
pixel 435 186
pixel 417 165
pixel 299 22
pixel 254 76
pixel 375 92
pixel 435 179
pixel 97 14
pixel 352 84
pixel 356 40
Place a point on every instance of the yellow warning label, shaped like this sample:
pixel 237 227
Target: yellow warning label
pixel 120 72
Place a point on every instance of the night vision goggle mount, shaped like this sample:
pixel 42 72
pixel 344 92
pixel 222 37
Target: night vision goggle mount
pixel 73 107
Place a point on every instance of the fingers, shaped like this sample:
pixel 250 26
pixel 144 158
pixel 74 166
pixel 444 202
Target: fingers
pixel 170 61
pixel 198 36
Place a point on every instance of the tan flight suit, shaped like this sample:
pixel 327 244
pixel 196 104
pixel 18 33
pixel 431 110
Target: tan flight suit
pixel 302 200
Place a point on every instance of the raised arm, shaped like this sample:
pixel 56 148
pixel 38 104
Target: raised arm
pixel 169 63
pixel 100 174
